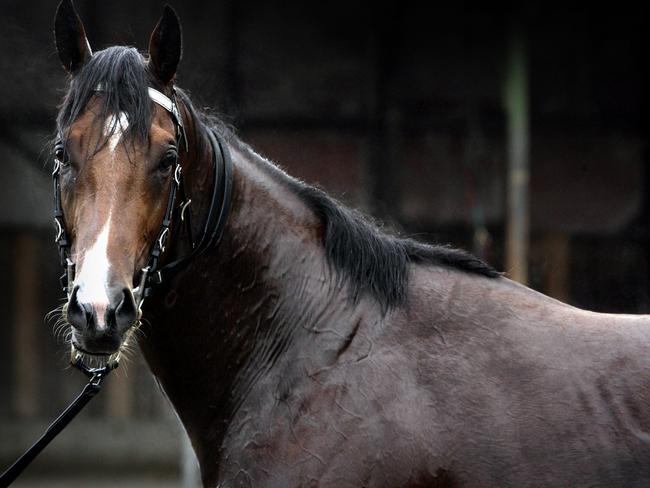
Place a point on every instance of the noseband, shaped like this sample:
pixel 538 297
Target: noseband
pixel 154 274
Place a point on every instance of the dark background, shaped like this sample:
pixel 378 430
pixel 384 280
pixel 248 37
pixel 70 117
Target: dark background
pixel 396 110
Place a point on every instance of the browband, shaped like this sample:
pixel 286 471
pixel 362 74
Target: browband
pixel 165 102
pixel 160 98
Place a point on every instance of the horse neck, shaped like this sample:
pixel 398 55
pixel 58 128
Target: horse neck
pixel 264 289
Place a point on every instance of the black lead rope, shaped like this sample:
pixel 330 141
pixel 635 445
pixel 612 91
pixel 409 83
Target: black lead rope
pixel 96 377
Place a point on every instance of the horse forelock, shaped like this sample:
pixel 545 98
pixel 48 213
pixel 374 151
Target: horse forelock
pixel 119 78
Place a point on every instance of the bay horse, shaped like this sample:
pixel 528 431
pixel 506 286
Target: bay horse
pixel 299 344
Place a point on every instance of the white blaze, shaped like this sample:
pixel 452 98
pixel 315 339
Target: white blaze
pixel 93 277
pixel 115 126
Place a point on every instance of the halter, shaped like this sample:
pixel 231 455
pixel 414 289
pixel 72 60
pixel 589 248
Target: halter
pixel 153 274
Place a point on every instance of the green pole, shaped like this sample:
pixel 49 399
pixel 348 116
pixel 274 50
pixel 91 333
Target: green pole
pixel 518 133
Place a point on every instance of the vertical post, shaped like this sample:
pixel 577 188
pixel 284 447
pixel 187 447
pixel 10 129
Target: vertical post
pixel 26 351
pixel 516 107
pixel 558 249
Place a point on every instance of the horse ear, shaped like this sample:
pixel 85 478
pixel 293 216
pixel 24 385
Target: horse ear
pixel 70 37
pixel 166 46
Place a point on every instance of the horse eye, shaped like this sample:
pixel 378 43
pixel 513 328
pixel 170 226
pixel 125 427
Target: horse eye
pixel 61 154
pixel 168 160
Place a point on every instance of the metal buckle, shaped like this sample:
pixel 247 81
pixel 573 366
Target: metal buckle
pixel 57 167
pixel 96 375
pixel 138 292
pixel 70 274
pixel 184 205
pixel 59 229
pixel 162 239
pixel 176 114
pixel 158 277
pixel 177 174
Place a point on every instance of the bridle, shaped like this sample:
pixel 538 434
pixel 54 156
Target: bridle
pixel 154 274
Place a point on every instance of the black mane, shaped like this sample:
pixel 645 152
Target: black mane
pixel 121 73
pixel 376 263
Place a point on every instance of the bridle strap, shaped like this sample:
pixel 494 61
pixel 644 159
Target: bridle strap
pixel 61 238
pixel 171 106
pixel 217 212
pixel 154 274
pixel 167 103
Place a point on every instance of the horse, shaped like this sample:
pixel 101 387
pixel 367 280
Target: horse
pixel 298 342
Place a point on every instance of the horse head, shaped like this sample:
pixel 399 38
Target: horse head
pixel 116 153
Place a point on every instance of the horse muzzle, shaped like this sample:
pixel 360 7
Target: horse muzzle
pixel 100 327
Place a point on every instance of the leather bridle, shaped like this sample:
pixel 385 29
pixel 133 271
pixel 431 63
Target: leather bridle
pixel 152 275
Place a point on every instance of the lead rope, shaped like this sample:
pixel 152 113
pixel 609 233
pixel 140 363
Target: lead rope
pixel 95 378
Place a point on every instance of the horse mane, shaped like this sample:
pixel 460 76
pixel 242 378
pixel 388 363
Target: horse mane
pixel 375 262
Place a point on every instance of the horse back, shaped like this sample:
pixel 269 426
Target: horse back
pixel 475 382
pixel 529 391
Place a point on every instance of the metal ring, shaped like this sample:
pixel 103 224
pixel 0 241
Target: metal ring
pixel 162 239
pixel 183 207
pixel 177 174
pixel 59 231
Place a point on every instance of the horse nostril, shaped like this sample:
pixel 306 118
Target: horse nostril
pixel 126 311
pixel 80 315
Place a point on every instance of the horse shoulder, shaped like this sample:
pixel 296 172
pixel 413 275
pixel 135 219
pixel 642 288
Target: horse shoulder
pixel 359 419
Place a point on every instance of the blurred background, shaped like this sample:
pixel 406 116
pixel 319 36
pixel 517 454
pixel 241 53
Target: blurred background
pixel 517 133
